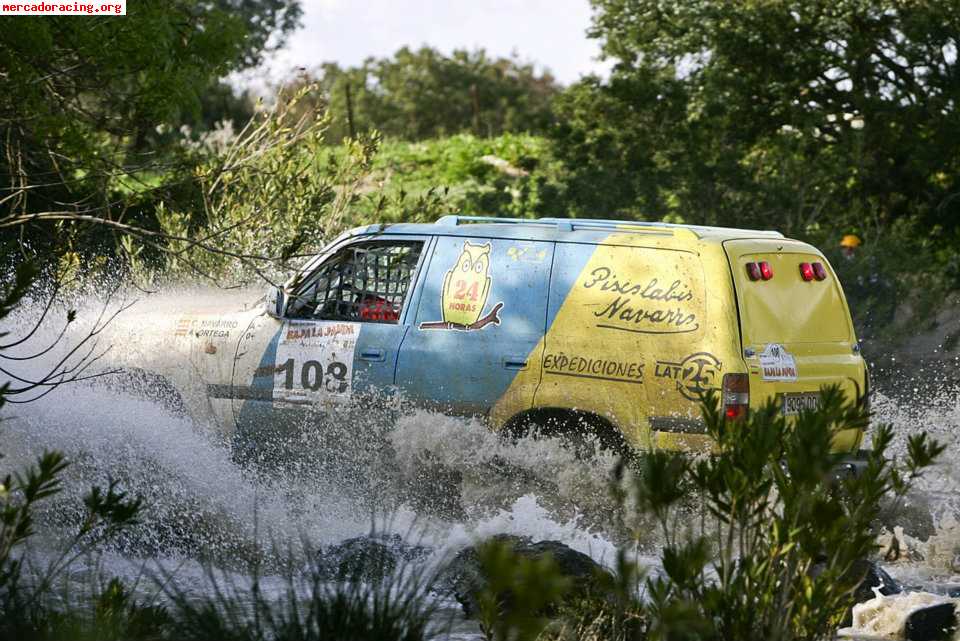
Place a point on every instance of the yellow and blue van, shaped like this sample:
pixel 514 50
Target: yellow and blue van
pixel 611 326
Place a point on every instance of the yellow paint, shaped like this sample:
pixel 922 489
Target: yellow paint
pixel 676 295
pixel 631 307
pixel 810 317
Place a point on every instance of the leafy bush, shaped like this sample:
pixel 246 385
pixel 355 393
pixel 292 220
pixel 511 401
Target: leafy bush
pixel 267 193
pixel 25 608
pixel 516 600
pixel 775 549
pixel 513 175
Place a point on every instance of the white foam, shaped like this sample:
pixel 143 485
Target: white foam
pixel 886 616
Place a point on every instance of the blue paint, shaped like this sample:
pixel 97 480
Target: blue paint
pixel 570 259
pixel 375 358
pixel 468 370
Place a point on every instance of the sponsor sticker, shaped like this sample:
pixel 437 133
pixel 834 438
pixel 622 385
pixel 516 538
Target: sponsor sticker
pixel 204 327
pixel 314 362
pixel 777 364
pixel 465 290
pixel 693 376
pixel 562 364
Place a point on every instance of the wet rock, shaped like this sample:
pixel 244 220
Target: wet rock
pixel 464 576
pixel 875 579
pixel 912 514
pixel 368 558
pixel 932 623
pixel 951 590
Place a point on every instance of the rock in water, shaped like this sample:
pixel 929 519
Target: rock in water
pixel 464 575
pixel 932 623
pixel 874 577
pixel 913 514
pixel 367 558
pixel 917 616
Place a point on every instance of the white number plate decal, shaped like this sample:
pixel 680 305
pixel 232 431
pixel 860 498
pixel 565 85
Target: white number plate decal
pixel 793 404
pixel 314 362
pixel 777 364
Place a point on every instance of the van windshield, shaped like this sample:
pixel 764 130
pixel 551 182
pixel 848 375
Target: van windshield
pixel 786 308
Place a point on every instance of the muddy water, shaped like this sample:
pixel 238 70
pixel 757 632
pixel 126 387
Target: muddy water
pixel 439 481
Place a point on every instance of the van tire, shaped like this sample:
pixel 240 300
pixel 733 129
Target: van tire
pixel 577 429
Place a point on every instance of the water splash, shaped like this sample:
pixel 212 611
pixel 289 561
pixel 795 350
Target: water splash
pixel 444 481
pixel 449 480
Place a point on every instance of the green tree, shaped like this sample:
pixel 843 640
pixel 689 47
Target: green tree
pixel 418 94
pixel 90 106
pixel 770 113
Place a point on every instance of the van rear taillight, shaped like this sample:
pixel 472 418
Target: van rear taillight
pixel 753 271
pixel 806 271
pixel 766 271
pixel 819 271
pixel 736 396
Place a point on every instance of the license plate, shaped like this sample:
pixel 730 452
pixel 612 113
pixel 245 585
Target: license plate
pixel 793 404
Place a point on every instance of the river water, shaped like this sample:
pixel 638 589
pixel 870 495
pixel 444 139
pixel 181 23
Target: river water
pixel 394 474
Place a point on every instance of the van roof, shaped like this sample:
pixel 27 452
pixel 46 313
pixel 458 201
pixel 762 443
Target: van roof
pixel 570 229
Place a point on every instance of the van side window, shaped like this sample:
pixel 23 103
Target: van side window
pixel 363 282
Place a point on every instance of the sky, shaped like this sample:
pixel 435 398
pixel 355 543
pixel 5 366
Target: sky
pixel 550 33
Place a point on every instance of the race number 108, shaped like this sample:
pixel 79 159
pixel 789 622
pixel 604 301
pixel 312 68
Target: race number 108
pixel 313 377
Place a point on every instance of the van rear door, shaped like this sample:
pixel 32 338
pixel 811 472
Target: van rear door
pixel 797 334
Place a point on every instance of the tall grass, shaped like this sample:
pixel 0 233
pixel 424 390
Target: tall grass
pixel 310 606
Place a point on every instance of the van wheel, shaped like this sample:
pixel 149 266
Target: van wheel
pixel 582 432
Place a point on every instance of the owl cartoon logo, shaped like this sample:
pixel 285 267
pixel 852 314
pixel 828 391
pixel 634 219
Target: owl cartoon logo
pixel 465 290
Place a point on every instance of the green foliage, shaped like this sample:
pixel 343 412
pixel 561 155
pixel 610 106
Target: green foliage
pixel 111 614
pixel 10 297
pixel 395 607
pixel 780 540
pixel 90 109
pixel 898 279
pixel 274 193
pixel 268 193
pixel 816 119
pixel 519 593
pixel 415 95
pixel 25 608
pixel 761 539
pixel 830 112
pixel 511 175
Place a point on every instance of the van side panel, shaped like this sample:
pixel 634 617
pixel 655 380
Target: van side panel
pixel 567 264
pixel 684 367
pixel 628 336
pixel 480 319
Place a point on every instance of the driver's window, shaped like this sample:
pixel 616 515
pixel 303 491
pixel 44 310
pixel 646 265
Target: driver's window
pixel 365 282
